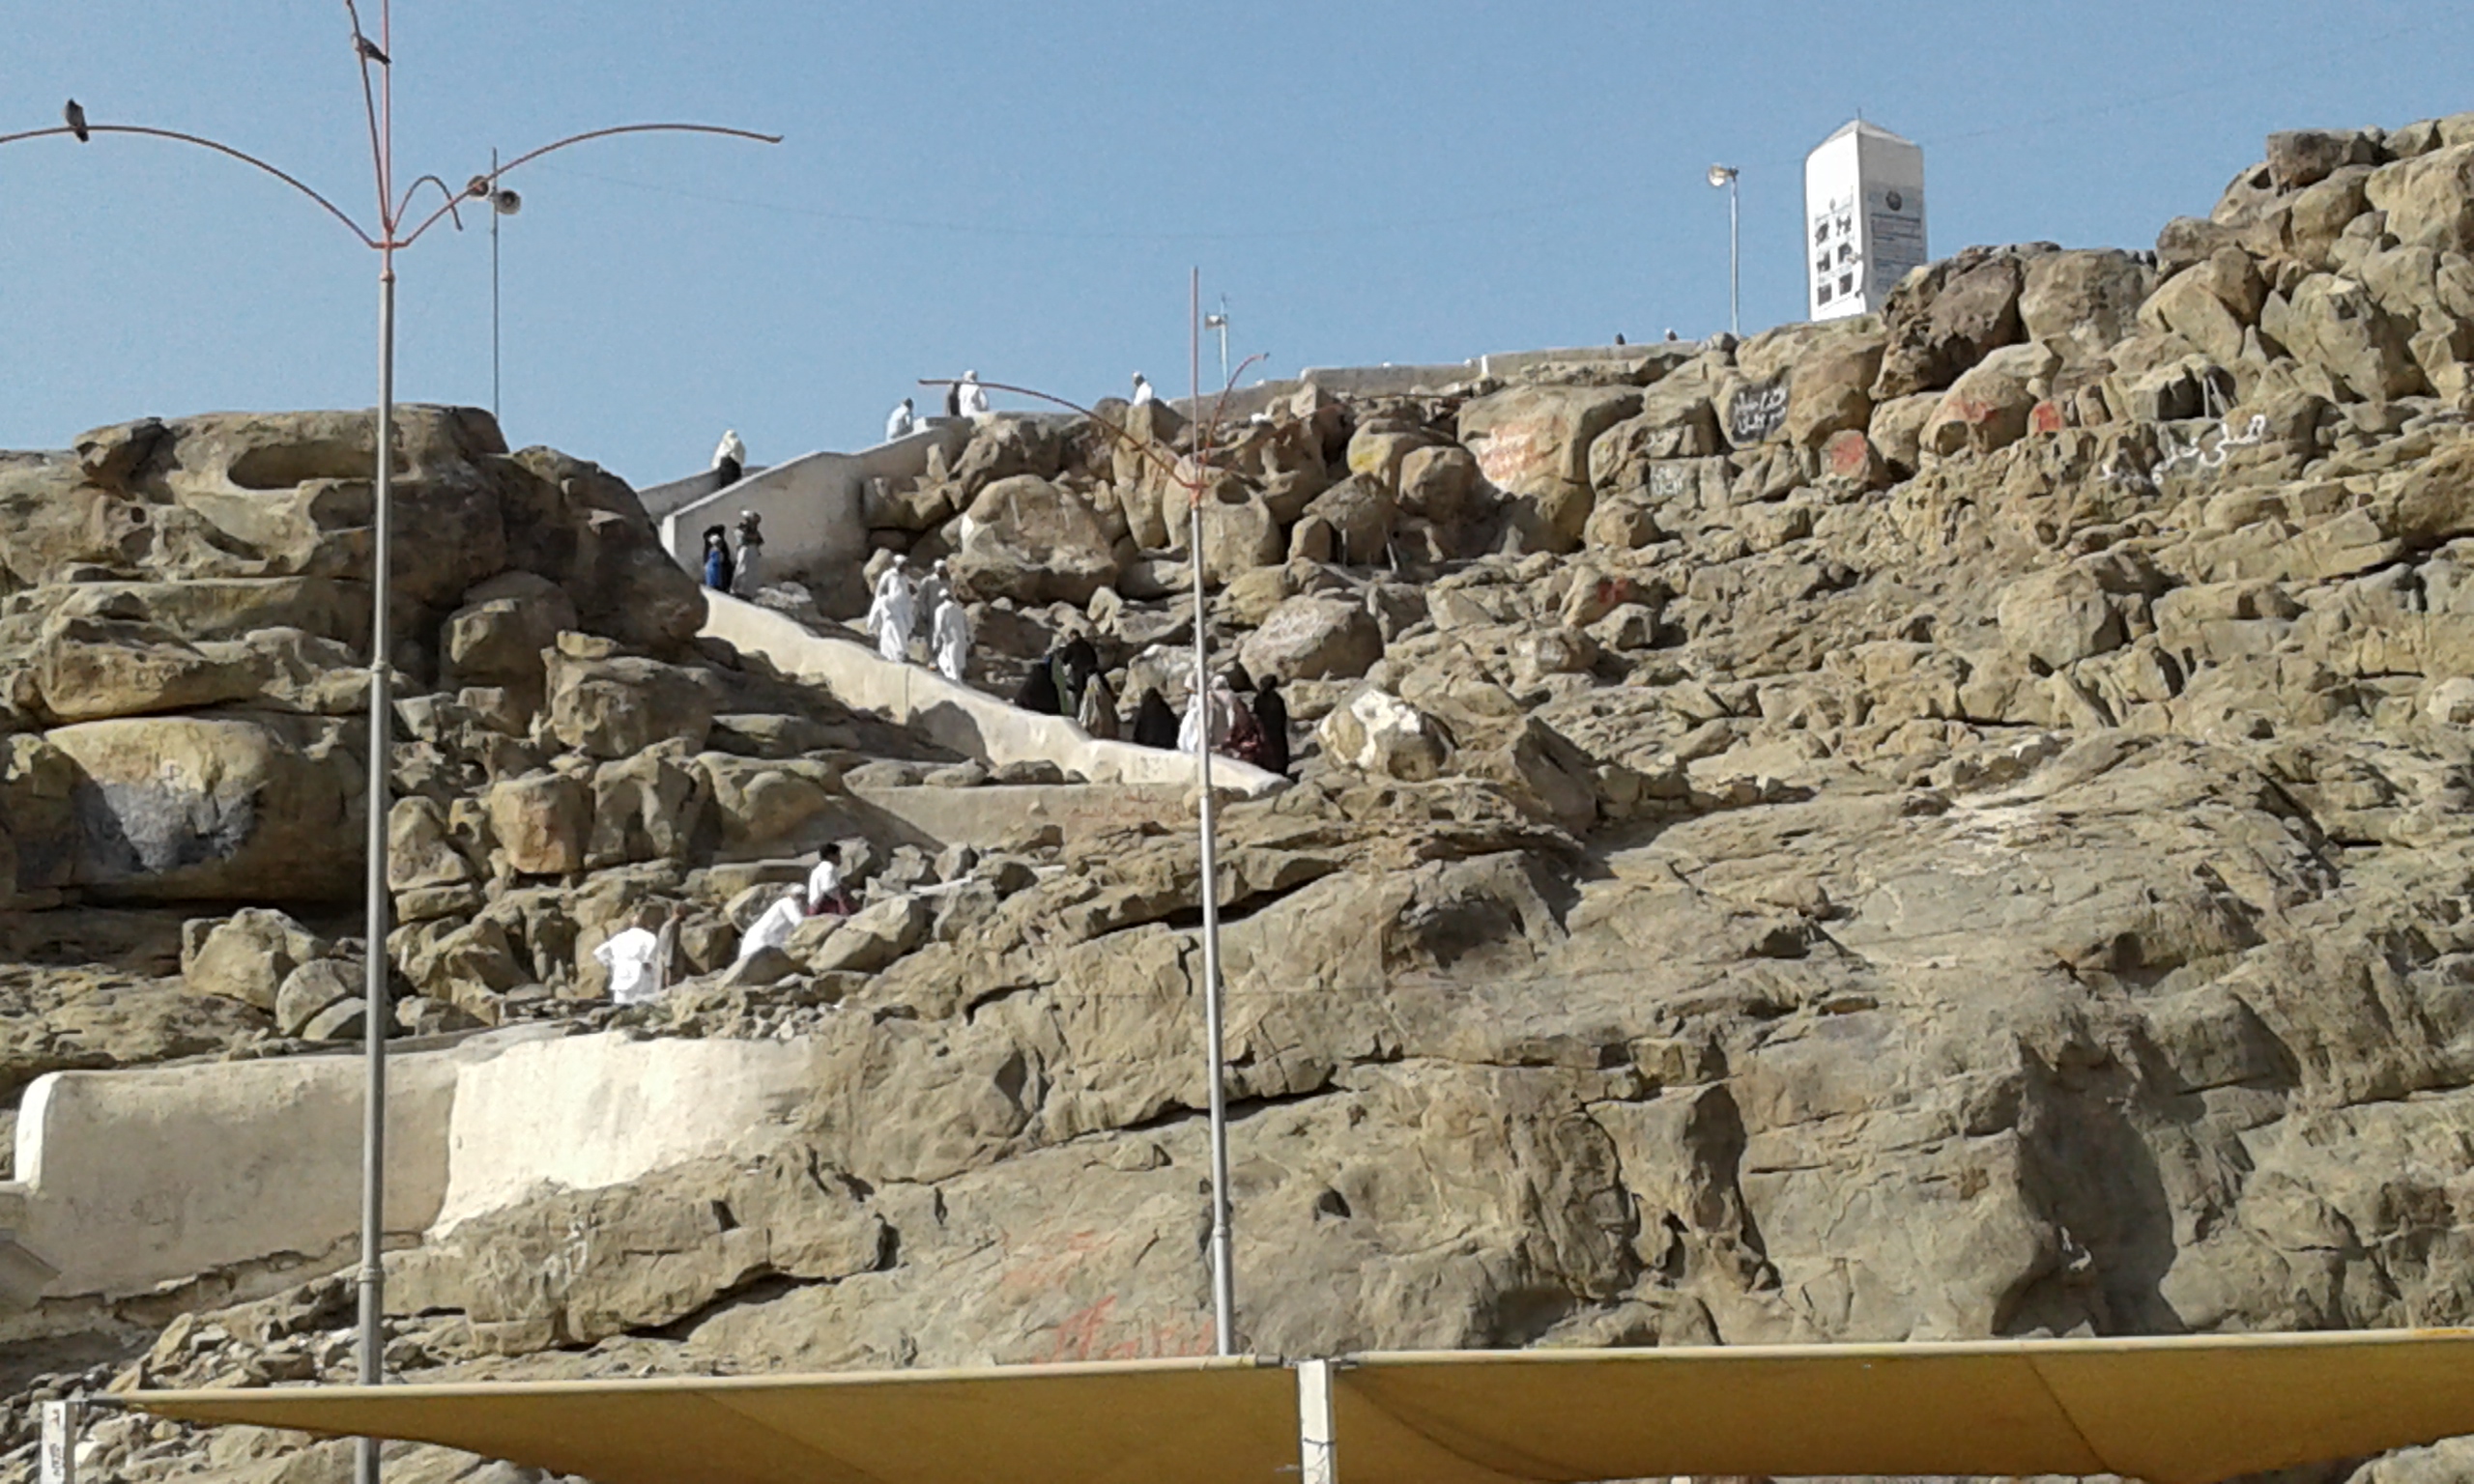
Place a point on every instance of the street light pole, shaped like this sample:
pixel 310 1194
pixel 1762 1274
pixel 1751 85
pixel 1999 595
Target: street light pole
pixel 378 103
pixel 1223 1282
pixel 493 296
pixel 1725 176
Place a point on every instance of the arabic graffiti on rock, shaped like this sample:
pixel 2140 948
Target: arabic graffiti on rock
pixel 1756 411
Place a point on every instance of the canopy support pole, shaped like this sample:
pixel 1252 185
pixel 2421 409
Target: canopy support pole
pixel 1318 1453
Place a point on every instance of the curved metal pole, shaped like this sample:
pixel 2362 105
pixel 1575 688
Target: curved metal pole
pixel 490 181
pixel 454 199
pixel 333 210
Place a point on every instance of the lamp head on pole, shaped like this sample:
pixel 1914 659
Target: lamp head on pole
pixel 1721 176
pixel 1214 322
pixel 506 203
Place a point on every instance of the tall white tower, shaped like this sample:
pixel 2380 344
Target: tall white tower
pixel 1863 220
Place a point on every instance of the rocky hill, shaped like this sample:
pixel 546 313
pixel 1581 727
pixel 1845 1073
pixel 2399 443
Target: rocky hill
pixel 1942 824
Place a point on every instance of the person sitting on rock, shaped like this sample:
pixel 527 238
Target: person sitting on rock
pixel 1075 665
pixel 717 559
pixel 1037 693
pixel 750 554
pixel 730 460
pixel 891 616
pixel 973 396
pixel 1270 718
pixel 900 423
pixel 950 638
pixel 1215 709
pixel 1155 725
pixel 1142 391
pixel 1098 714
pixel 775 927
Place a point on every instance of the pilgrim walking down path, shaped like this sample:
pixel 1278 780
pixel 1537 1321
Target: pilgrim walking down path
pixel 891 617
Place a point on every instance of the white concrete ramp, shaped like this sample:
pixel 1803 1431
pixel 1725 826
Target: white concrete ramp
pixel 970 722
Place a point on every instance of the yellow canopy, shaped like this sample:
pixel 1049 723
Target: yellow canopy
pixel 1115 1422
pixel 2182 1410
pixel 2178 1410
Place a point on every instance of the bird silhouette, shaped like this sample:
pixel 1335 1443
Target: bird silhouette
pixel 76 120
pixel 369 49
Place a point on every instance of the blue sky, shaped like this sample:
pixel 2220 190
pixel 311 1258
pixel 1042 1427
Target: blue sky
pixel 1021 189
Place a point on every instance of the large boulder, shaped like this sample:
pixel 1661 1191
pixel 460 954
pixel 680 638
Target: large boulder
pixel 615 705
pixel 1532 444
pixel 1034 542
pixel 1947 317
pixel 1678 420
pixel 1238 536
pixel 223 808
pixel 2429 199
pixel 497 638
pixel 540 821
pixel 1987 408
pixel 2304 156
pixel 1313 636
pixel 246 956
pixel 2335 324
pixel 2081 302
pixel 1379 733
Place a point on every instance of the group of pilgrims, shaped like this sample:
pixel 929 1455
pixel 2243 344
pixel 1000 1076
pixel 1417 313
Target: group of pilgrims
pixel 1070 681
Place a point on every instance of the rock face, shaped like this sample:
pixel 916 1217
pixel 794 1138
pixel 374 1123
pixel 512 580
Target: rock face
pixel 1973 846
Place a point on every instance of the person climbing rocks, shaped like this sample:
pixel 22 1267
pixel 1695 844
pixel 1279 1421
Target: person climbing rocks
pixel 750 554
pixel 974 396
pixel 902 422
pixel 775 927
pixel 827 894
pixel 631 956
pixel 1155 725
pixel 950 639
pixel 666 949
pixel 729 459
pixel 718 569
pixel 891 616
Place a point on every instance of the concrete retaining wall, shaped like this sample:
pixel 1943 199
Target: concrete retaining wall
pixel 131 1181
pixel 598 1110
pixel 984 817
pixel 811 505
pixel 970 722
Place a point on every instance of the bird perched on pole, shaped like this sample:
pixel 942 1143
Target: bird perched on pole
pixel 369 49
pixel 76 118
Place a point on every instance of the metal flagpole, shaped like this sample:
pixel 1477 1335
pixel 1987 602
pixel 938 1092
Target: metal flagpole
pixel 1224 1287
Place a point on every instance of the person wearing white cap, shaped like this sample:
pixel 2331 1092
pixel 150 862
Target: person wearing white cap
pixel 1142 391
pixel 951 640
pixel 974 396
pixel 892 615
pixel 928 592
